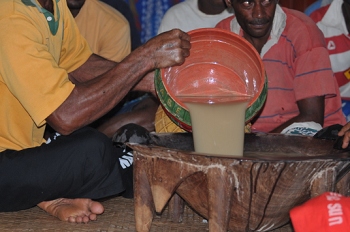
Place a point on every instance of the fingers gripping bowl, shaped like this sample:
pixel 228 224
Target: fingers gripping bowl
pixel 219 61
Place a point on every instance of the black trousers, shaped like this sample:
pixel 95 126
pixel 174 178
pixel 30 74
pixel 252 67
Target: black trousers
pixel 83 164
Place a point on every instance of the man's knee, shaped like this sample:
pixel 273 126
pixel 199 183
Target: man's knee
pixel 89 138
pixel 96 162
pixel 96 147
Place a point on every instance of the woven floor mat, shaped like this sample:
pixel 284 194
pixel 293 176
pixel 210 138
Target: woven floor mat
pixel 118 216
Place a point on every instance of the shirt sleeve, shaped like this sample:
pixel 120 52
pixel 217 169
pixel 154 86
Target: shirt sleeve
pixel 312 67
pixel 33 74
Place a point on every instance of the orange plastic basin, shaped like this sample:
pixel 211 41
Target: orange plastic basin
pixel 220 62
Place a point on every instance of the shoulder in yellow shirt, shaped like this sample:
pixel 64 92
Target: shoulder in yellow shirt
pixel 38 50
pixel 106 30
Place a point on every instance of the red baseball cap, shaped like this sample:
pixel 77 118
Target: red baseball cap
pixel 328 212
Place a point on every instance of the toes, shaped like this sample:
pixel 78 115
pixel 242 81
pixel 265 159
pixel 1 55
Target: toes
pixel 96 208
pixel 79 219
pixel 72 219
pixel 85 219
pixel 93 217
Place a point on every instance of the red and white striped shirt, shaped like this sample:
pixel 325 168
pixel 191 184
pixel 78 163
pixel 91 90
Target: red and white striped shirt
pixel 331 22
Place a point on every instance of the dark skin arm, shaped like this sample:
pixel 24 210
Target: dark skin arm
pixel 101 84
pixel 95 66
pixel 346 132
pixel 311 109
pixel 99 66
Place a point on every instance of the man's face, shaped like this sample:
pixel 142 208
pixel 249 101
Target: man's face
pixel 75 4
pixel 254 16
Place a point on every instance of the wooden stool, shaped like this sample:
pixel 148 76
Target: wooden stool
pixel 238 194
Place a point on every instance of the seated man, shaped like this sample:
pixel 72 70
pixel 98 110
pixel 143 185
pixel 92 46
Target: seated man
pixel 334 21
pixel 301 86
pixel 49 76
pixel 108 34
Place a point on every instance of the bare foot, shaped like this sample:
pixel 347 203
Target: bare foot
pixel 73 210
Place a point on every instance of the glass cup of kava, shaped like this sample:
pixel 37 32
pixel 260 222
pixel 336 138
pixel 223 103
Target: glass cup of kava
pixel 218 122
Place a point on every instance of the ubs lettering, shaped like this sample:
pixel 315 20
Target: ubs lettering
pixel 335 213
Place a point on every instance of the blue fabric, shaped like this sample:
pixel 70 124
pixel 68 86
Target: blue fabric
pixel 314 6
pixel 128 106
pixel 144 16
pixel 346 109
pixel 148 15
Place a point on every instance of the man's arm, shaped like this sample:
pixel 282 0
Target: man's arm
pixel 95 66
pixel 97 90
pixel 346 132
pixel 311 110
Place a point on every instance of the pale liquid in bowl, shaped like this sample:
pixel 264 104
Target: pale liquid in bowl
pixel 218 128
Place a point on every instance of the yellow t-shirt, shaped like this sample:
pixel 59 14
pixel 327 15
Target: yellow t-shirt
pixel 106 30
pixel 37 52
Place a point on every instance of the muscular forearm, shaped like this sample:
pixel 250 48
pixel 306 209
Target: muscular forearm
pixel 93 96
pixel 95 66
pixel 97 90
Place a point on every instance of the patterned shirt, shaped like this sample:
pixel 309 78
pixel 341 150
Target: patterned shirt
pixel 331 22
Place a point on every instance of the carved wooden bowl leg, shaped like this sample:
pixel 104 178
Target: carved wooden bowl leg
pixel 176 208
pixel 220 194
pixel 144 206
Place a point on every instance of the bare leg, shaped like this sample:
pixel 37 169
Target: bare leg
pixel 143 114
pixel 79 210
